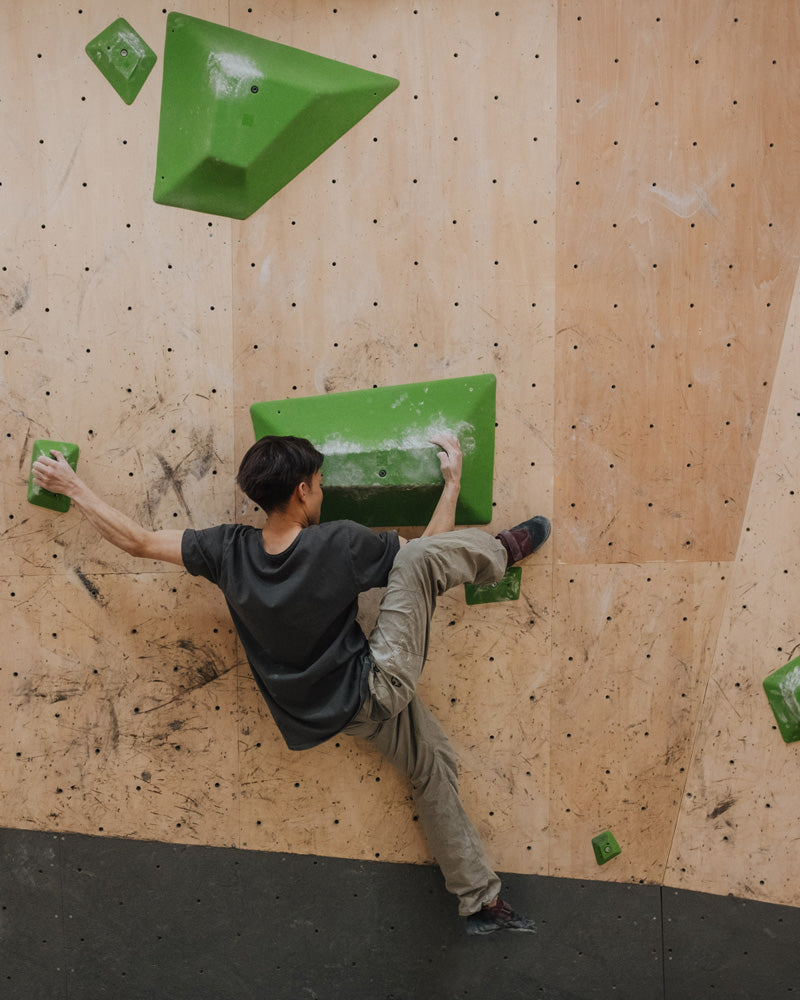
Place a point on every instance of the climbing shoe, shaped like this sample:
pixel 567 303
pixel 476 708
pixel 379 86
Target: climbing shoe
pixel 498 916
pixel 525 538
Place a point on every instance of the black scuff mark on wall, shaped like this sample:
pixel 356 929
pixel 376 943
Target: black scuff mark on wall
pixel 723 807
pixel 206 666
pixel 171 479
pixel 113 729
pixel 14 295
pixel 92 588
pixel 197 463
pixel 21 298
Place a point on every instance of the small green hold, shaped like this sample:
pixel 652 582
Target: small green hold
pixel 44 498
pixel 506 589
pixel 783 692
pixel 605 847
pixel 123 57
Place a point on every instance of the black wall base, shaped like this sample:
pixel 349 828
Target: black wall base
pixel 85 918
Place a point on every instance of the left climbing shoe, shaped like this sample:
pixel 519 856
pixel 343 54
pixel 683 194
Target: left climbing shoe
pixel 498 916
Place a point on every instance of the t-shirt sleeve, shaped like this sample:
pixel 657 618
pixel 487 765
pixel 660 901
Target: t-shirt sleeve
pixel 373 555
pixel 203 550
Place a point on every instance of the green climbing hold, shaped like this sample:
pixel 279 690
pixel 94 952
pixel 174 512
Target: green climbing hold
pixel 783 692
pixel 507 589
pixel 605 847
pixel 241 116
pixel 123 57
pixel 380 466
pixel 44 498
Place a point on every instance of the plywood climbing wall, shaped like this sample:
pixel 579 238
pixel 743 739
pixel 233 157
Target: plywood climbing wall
pixel 593 201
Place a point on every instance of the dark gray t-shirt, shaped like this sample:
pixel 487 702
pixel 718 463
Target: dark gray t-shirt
pixel 295 614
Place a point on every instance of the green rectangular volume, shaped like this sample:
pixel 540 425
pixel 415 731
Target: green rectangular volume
pixel 783 691
pixel 44 498
pixel 506 589
pixel 380 465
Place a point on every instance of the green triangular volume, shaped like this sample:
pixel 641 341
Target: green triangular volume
pixel 241 116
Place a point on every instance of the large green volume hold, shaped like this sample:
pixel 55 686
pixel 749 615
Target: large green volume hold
pixel 44 498
pixel 380 465
pixel 241 116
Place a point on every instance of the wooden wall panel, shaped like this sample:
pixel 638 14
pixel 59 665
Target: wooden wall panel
pixel 678 230
pixel 119 708
pixel 736 828
pixel 632 653
pixel 110 341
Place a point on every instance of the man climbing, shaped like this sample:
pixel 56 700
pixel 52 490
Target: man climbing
pixel 292 590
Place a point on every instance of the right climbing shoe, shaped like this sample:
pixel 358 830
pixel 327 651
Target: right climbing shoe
pixel 523 539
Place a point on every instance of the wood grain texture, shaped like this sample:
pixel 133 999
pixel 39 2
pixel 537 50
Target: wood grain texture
pixel 677 252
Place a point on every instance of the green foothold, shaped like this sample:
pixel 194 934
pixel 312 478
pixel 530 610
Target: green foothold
pixel 783 691
pixel 605 847
pixel 506 589
pixel 123 57
pixel 44 498
pixel 241 116
pixel 380 465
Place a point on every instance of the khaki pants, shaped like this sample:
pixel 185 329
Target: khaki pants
pixel 397 723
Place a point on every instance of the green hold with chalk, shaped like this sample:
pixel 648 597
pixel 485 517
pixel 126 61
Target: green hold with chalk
pixel 42 497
